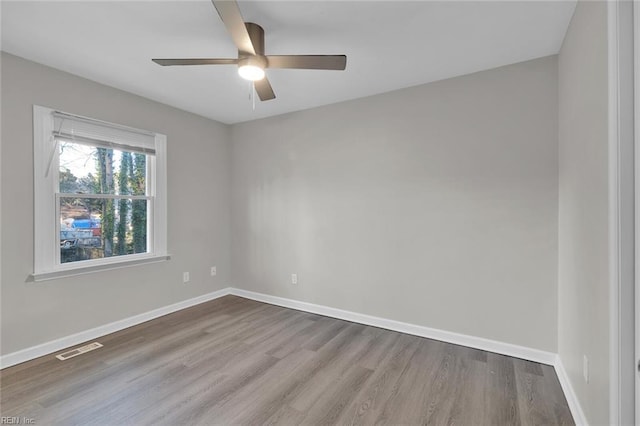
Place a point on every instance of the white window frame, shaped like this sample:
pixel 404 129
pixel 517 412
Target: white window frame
pixel 46 215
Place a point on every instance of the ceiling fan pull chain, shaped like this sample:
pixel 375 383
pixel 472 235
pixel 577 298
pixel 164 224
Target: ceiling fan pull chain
pixel 252 94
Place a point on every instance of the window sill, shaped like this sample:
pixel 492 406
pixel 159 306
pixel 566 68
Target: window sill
pixel 81 270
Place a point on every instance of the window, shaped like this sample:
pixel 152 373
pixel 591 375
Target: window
pixel 100 195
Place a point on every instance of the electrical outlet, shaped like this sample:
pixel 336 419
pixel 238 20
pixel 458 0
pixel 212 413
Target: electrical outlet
pixel 214 271
pixel 185 277
pixel 585 368
pixel 294 279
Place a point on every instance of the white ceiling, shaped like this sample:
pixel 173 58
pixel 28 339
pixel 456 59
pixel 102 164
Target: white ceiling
pixel 389 45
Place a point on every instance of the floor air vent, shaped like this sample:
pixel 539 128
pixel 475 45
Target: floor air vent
pixel 78 351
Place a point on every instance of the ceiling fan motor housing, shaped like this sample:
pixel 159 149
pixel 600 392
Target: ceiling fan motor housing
pixel 256 61
pixel 256 34
pixel 247 59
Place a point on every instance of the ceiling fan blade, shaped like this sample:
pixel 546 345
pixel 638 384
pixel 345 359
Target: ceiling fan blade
pixel 195 61
pixel 264 90
pixel 230 14
pixel 310 62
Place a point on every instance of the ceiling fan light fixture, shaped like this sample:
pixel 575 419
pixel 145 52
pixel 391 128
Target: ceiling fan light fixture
pixel 251 68
pixel 251 72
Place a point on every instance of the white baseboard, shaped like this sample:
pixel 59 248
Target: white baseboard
pixel 402 327
pixel 572 399
pixel 75 339
pixel 509 349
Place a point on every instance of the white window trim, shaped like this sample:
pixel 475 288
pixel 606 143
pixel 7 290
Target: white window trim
pixel 46 227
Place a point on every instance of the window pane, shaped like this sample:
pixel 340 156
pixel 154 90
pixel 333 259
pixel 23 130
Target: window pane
pixel 88 169
pixel 92 228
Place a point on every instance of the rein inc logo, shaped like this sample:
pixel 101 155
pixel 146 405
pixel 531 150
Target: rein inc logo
pixel 6 420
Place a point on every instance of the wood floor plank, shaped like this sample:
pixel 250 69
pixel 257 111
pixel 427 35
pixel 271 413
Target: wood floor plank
pixel 238 361
pixel 447 388
pixel 502 396
pixel 200 394
pixel 531 402
pixel 326 410
pixel 430 366
pixel 555 398
pixel 285 416
pixel 333 360
pixel 368 406
pixel 332 327
pixel 469 405
pixel 298 340
pixel 267 394
pixel 384 341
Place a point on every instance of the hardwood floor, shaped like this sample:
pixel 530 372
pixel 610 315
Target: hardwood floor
pixel 237 361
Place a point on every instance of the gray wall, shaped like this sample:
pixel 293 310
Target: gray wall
pixel 583 278
pixel 435 205
pixel 198 211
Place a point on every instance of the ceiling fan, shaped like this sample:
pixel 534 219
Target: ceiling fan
pixel 249 39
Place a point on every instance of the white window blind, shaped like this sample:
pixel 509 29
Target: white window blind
pixel 81 130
